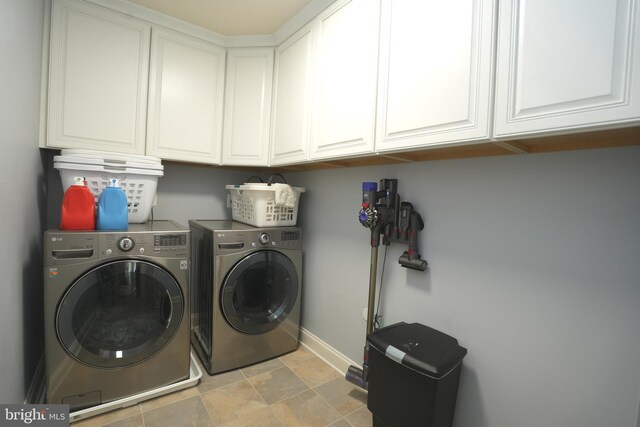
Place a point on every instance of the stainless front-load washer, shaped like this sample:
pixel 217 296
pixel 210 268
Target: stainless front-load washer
pixel 245 290
pixel 116 312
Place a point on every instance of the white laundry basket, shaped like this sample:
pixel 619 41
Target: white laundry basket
pixel 254 204
pixel 136 175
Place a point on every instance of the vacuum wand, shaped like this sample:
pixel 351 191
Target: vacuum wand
pixel 356 375
pixel 372 288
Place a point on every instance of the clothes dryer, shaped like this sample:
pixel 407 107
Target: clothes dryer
pixel 116 312
pixel 245 289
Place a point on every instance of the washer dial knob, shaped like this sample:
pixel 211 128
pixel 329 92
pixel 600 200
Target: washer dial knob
pixel 264 238
pixel 125 244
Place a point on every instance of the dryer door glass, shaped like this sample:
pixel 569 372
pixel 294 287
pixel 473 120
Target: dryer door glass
pixel 120 313
pixel 259 292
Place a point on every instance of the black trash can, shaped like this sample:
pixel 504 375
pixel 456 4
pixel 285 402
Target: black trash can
pixel 413 376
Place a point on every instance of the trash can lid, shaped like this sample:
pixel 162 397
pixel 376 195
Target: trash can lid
pixel 419 347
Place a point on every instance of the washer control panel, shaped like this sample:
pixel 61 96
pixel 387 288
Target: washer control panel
pixel 165 245
pixel 162 239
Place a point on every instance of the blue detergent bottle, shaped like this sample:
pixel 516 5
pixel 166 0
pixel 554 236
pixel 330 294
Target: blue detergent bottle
pixel 112 208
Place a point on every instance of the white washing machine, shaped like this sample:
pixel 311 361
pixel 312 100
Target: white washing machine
pixel 245 290
pixel 116 312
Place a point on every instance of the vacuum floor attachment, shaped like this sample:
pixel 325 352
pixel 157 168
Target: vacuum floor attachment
pixel 415 263
pixel 409 224
pixel 356 377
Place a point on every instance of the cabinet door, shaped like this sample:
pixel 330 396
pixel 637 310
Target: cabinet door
pixel 247 106
pixel 566 65
pixel 99 63
pixel 290 129
pixel 186 82
pixel 345 79
pixel 435 72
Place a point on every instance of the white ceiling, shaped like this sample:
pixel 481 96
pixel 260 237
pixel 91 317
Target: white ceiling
pixel 230 17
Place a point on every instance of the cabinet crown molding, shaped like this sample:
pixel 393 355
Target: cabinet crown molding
pixel 305 15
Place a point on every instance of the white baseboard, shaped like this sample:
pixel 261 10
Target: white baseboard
pixel 37 389
pixel 324 351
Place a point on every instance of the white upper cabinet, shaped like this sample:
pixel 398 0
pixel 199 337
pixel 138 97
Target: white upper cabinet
pixel 325 86
pixel 291 112
pixel 362 76
pixel 99 63
pixel 186 89
pixel 346 60
pixel 247 106
pixel 567 65
pixel 435 81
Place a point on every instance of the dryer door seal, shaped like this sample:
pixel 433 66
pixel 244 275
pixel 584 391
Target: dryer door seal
pixel 119 313
pixel 259 292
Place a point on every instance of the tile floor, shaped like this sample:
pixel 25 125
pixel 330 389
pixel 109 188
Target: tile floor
pixel 297 389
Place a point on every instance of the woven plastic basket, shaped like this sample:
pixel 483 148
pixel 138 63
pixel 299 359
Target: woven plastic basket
pixel 139 185
pixel 254 204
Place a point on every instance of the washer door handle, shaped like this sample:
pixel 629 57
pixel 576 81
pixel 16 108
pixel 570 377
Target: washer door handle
pixel 165 310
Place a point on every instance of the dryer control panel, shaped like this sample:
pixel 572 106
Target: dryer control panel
pixel 259 238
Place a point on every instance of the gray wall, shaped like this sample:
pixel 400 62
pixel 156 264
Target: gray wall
pixel 533 266
pixel 22 191
pixel 187 192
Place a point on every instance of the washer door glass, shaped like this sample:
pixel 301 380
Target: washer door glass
pixel 119 314
pixel 259 292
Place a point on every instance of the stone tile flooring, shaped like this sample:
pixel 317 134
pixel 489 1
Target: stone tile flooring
pixel 297 389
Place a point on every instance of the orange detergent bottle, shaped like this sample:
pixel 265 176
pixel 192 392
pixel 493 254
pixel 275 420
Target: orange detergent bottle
pixel 78 207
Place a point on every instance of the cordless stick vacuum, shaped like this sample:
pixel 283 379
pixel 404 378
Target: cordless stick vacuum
pixel 384 215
